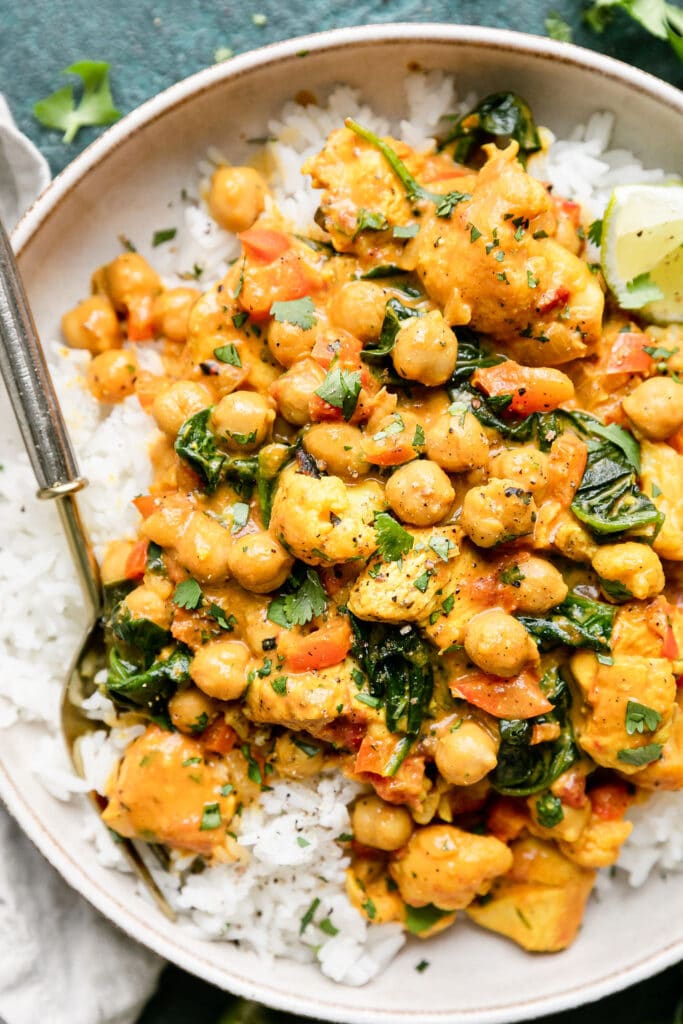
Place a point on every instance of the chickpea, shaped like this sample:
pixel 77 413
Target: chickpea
pixel 126 277
pixel 420 493
pixel 376 823
pixel 541 588
pixel 178 402
pixel 393 439
pixel 456 442
pixel 243 419
pixel 289 342
pixel 113 568
pixel 295 388
pixel 426 349
pixel 146 603
pixel 635 566
pixel 526 465
pixel 111 375
pixel 294 763
pixel 219 669
pixel 171 312
pixel 237 197
pixel 497 643
pixel 190 710
pixel 655 408
pixel 203 548
pixel 445 866
pixel 337 448
pixel 92 325
pixel 498 511
pixel 259 562
pixel 465 754
pixel 359 307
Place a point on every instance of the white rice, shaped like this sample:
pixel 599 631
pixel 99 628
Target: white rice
pixel 293 858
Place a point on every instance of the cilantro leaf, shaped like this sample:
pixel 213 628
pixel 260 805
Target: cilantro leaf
pixel 211 817
pixel 512 576
pixel 164 235
pixel 640 756
pixel 369 220
pixel 446 204
pixel 420 919
pixel 595 232
pixel 639 292
pixel 225 622
pixel 96 106
pixel 307 602
pixel 300 312
pixel 557 28
pixel 240 516
pixel 228 354
pixel 441 546
pixel 549 810
pixel 188 594
pixel 341 389
pixel 393 542
pixel 405 231
pixel 640 718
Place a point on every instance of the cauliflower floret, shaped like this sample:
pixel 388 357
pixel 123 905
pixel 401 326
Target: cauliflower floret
pixel 322 520
pixel 635 566
pixel 662 471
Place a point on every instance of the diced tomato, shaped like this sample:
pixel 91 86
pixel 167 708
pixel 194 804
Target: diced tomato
pixel 286 278
pixel 628 354
pixel 219 737
pixel 507 818
pixel 323 647
pixel 321 411
pixel 566 465
pixel 679 681
pixel 344 732
pixel 670 644
pixel 519 697
pixel 264 244
pixel 405 787
pixel 145 504
pixel 140 319
pixel 676 440
pixel 533 388
pixel 610 802
pixel 390 450
pixel 375 754
pixel 551 299
pixel 336 344
pixel 136 562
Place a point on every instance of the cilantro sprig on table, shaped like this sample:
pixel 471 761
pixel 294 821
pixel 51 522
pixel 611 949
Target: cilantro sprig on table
pixel 659 18
pixel 95 107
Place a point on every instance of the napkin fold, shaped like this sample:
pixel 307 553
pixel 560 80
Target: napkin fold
pixel 60 961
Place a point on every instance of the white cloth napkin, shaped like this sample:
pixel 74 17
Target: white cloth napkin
pixel 61 962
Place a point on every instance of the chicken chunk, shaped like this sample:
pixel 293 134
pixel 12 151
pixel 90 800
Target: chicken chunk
pixel 607 689
pixel 599 844
pixel 486 269
pixel 667 772
pixel 311 699
pixel 166 791
pixel 461 600
pixel 662 475
pixel 445 866
pixel 409 589
pixel 540 902
pixel 322 520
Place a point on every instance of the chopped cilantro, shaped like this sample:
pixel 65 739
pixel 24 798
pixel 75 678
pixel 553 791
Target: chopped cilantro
pixel 475 233
pixel 531 280
pixel 557 28
pixel 369 908
pixel 228 354
pixel 441 546
pixel 242 439
pixel 418 437
pixel 306 603
pixel 345 837
pixel 188 595
pixel 396 426
pixel 309 915
pixel 253 768
pixel 446 204
pixel 239 319
pixel 393 542
pixel 240 516
pixel 448 603
pixel 309 749
pixel 640 718
pixel 512 576
pixel 302 842
pixel 216 612
pixel 164 235
pixel 300 312
pixel 227 789
pixel 279 685
pixel 96 106
pixel 594 233
pixel 341 389
pixel 370 220
pixel 211 818
pixel 640 756
pixel 405 231
pixel 191 760
pixel 422 581
pixel 327 927
pixel 639 292
pixel 367 698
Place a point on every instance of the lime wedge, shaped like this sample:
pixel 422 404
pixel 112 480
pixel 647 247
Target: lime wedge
pixel 642 250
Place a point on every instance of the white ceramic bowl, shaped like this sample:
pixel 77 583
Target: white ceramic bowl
pixel 121 185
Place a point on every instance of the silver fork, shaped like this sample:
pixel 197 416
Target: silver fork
pixel 35 404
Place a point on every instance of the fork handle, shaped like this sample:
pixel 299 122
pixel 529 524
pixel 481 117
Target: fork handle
pixel 35 404
pixel 30 389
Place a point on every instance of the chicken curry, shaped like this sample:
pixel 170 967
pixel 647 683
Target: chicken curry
pixel 416 516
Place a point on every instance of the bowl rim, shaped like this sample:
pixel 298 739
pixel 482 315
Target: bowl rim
pixel 130 921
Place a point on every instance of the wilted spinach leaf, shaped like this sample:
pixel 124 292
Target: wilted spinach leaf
pixel 196 443
pixel 577 622
pixel 395 313
pixel 137 634
pixel 152 688
pixel 608 499
pixel 499 117
pixel 472 355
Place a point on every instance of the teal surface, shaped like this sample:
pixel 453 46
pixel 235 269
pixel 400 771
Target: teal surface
pixel 151 45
